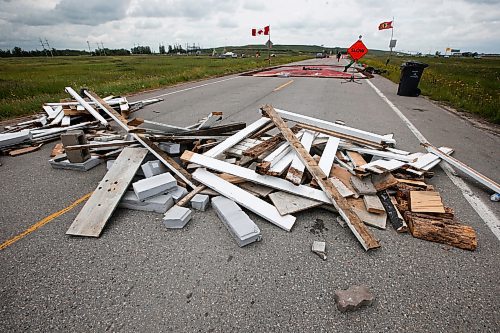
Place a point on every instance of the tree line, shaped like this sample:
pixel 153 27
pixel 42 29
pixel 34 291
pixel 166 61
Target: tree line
pixel 19 52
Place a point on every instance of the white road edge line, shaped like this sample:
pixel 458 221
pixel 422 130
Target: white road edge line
pixel 476 203
pixel 195 87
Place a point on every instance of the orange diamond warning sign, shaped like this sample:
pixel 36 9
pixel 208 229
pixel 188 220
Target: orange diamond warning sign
pixel 357 50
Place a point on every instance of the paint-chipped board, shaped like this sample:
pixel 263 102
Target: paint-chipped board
pixel 356 158
pixel 296 170
pixel 343 190
pixel 344 176
pixel 260 190
pixel 374 220
pixel 101 205
pixel 384 181
pixel 328 156
pixel 247 200
pixel 373 204
pixel 287 203
pixel 363 185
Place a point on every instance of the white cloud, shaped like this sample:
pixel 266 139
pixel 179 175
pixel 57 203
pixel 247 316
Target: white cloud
pixel 423 25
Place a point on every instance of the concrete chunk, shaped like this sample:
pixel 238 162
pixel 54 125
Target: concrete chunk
pixel 170 148
pixel 178 193
pixel 177 217
pixel 320 249
pixel 74 138
pixel 152 186
pixel 200 202
pixel 153 168
pixel 158 204
pixel 61 162
pixel 237 222
pixel 353 298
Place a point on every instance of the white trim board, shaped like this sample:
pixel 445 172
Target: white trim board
pixel 250 175
pixel 242 197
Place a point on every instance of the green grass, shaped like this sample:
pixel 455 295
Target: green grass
pixel 467 84
pixel 27 83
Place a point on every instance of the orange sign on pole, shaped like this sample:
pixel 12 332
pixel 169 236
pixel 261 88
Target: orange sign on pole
pixel 357 50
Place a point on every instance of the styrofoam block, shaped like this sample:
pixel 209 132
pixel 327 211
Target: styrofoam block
pixel 200 202
pixel 153 168
pixel 109 164
pixel 178 193
pixel 170 148
pixel 152 186
pixel 177 217
pixel 243 229
pixel 159 204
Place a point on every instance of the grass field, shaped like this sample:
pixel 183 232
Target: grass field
pixel 467 84
pixel 27 83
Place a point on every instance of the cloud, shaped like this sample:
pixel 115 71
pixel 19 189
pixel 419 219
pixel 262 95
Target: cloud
pixel 181 8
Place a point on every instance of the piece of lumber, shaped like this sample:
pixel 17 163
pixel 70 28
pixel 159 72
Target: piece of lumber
pixel 344 176
pixel 373 204
pixel 260 190
pixel 363 186
pixel 267 145
pixel 353 221
pixel 233 192
pixel 356 158
pixel 23 151
pixel 328 156
pixel 343 190
pixel 101 205
pixel 287 203
pixel 190 195
pixel 250 175
pixel 354 132
pixel 101 145
pixel 70 112
pixel 426 202
pixel 234 139
pixel 441 230
pixel 374 220
pixel 296 169
pixel 384 154
pixel 211 119
pixel 170 163
pixel 417 183
pixel 383 181
pixel 492 185
pixel 57 150
pixel 392 212
pixel 116 116
pixel 86 105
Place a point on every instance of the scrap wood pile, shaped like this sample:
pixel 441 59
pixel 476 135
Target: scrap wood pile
pixel 60 117
pixel 269 168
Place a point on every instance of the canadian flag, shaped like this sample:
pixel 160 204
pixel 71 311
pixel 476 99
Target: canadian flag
pixel 263 31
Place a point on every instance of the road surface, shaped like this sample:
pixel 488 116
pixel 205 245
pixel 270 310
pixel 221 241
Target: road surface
pixel 140 277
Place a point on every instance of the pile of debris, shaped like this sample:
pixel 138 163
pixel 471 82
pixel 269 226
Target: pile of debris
pixel 267 168
pixel 60 117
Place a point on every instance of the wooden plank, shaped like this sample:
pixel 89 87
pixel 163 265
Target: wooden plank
pixel 426 202
pixel 101 205
pixel 260 190
pixel 287 203
pixel 417 183
pixel 116 116
pixel 328 156
pixel 170 163
pixel 355 224
pixel 23 151
pixel 393 214
pixel 441 230
pixel 344 176
pixel 250 175
pixel 374 220
pixel 70 112
pixel 356 158
pixel 234 139
pixel 373 204
pixel 86 105
pixel 344 191
pixel 363 186
pixel 383 165
pixel 492 185
pixel 212 118
pixel 278 168
pixel 267 145
pixel 233 192
pixel 302 119
pixel 384 181
pixel 101 145
pixel 296 170
pixel 384 154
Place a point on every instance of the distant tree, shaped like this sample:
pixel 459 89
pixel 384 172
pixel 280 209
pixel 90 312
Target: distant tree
pixel 17 51
pixel 170 49
pixel 438 53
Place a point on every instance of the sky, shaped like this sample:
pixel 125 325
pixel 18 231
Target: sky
pixel 424 25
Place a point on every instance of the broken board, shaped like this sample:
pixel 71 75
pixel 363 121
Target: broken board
pixel 98 209
pixel 287 203
pixel 426 202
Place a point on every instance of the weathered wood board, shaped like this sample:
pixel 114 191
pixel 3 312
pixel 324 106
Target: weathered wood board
pixel 426 202
pixel 287 203
pixel 101 205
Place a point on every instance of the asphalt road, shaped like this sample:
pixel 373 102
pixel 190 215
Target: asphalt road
pixel 139 277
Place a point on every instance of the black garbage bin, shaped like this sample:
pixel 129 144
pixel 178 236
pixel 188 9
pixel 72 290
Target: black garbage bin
pixel 411 72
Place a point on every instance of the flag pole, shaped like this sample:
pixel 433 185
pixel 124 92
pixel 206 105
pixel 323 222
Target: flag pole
pixel 392 35
pixel 269 46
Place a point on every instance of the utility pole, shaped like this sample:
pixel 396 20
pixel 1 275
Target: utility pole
pixel 48 46
pixel 88 44
pixel 103 50
pixel 43 47
pixel 99 48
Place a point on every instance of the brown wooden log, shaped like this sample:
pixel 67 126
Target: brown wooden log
pixel 441 230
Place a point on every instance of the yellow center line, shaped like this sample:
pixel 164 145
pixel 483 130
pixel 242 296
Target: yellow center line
pixel 44 221
pixel 283 85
